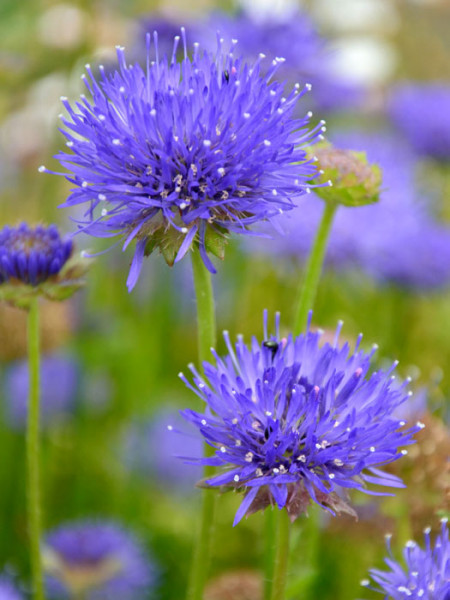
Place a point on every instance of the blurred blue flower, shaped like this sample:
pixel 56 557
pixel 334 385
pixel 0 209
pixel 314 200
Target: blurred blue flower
pixel 292 421
pixel 32 255
pixel 59 382
pixel 176 154
pixel 96 560
pixel 420 111
pixel 8 590
pixel 152 448
pixel 396 240
pixel 427 573
pixel 293 36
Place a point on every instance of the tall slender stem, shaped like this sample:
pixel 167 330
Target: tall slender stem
pixel 308 288
pixel 33 455
pixel 281 556
pixel 206 325
pixel 270 522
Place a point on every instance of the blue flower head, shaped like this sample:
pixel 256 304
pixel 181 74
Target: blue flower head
pixel 176 154
pixel 8 590
pixel 32 255
pixel 293 420
pixel 59 376
pixel 421 112
pixel 427 572
pixel 96 560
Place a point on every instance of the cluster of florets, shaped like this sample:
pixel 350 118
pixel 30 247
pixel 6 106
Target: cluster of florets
pixel 182 153
pixel 294 420
pixel 96 560
pixel 427 573
pixel 32 255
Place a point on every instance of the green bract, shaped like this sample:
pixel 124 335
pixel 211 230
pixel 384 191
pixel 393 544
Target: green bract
pixel 57 287
pixel 353 180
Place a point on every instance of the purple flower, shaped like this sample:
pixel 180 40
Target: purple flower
pixel 427 573
pixel 32 255
pixel 96 560
pixel 8 590
pixel 421 112
pixel 293 420
pixel 59 382
pixel 179 154
pixel 396 240
pixel 152 448
pixel 293 36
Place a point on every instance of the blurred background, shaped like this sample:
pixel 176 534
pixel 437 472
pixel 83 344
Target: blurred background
pixel 380 71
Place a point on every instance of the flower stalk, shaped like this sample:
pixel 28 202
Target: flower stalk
pixel 281 556
pixel 206 327
pixel 33 454
pixel 308 288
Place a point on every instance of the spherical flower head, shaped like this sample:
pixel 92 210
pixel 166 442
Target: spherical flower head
pixel 59 376
pixel 352 181
pixel 8 590
pixel 421 112
pixel 427 572
pixel 177 154
pixel 96 560
pixel 35 261
pixel 294 421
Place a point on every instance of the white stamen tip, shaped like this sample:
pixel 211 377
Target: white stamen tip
pixel 308 86
pixel 207 143
pixel 404 452
pixel 101 197
pixel 184 230
pixel 169 427
pixel 236 478
pixel 42 169
pixel 104 212
pixel 203 421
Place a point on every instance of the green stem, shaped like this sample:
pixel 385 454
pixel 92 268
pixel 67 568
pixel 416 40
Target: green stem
pixel 206 324
pixel 308 289
pixel 34 501
pixel 281 556
pixel 269 550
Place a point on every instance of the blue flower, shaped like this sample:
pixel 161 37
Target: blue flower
pixel 32 255
pixel 59 377
pixel 427 573
pixel 8 590
pixel 293 420
pixel 179 154
pixel 96 560
pixel 421 112
pixel 152 448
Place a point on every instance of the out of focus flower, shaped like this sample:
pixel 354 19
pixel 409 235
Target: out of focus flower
pixel 293 421
pixel 292 35
pixel 395 240
pixel 427 572
pixel 97 561
pixel 421 112
pixel 58 385
pixel 62 25
pixel 175 155
pixel 35 261
pixel 153 448
pixel 8 590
